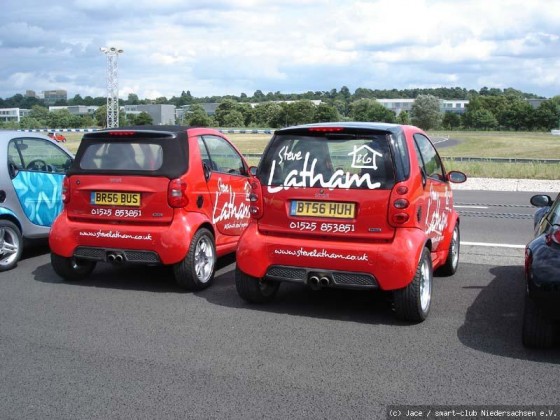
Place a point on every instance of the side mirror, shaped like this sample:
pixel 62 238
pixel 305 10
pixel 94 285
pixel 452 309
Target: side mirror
pixel 253 171
pixel 456 177
pixel 541 200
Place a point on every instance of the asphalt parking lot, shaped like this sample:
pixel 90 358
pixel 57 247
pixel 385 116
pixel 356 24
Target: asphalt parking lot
pixel 127 343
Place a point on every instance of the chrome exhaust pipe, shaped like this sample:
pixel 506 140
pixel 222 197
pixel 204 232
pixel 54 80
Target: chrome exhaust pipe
pixel 313 282
pixel 324 281
pixel 111 258
pixel 119 259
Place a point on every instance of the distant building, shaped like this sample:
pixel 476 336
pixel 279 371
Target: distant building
pixel 51 97
pixel 76 109
pixel 30 94
pixel 162 114
pixel 535 103
pixel 457 106
pixel 13 114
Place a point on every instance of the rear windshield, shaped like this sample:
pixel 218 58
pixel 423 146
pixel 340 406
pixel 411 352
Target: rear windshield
pixel 144 154
pixel 122 157
pixel 360 162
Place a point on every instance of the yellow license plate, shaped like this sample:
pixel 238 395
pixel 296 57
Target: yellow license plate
pixel 333 209
pixel 108 198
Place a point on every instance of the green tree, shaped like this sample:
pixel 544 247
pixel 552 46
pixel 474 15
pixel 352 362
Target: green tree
pixel 426 112
pixel 370 110
pixel 233 118
pixel 451 121
pixel 326 113
pixel 403 118
pixel 547 115
pixel 143 118
pixel 481 119
pixel 101 116
pixel 301 112
pixel 269 114
pixel 224 108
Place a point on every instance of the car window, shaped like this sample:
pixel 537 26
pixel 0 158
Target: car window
pixel 428 157
pixel 362 161
pixel 221 156
pixel 32 154
pixel 122 156
pixel 553 216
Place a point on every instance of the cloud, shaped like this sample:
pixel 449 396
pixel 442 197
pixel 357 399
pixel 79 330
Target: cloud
pixel 232 46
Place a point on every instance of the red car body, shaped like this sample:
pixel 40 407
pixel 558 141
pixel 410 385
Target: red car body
pixel 152 209
pixel 57 136
pixel 317 226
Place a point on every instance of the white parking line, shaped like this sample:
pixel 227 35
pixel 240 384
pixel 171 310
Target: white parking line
pixel 470 207
pixel 491 245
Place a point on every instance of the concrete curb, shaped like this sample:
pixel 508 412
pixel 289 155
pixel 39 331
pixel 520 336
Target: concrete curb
pixel 502 184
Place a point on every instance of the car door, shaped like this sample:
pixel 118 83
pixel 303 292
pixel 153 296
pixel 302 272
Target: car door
pixel 37 168
pixel 437 193
pixel 228 183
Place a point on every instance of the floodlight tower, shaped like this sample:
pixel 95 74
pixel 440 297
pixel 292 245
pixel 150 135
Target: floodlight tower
pixel 112 54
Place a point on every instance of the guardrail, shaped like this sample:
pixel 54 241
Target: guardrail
pixel 90 130
pixel 501 160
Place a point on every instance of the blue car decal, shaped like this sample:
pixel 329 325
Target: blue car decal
pixel 40 195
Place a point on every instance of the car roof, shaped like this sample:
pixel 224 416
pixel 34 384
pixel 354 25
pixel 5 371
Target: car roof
pixel 348 124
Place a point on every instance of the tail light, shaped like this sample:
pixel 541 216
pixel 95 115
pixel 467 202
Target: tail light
pixel 255 200
pixel 399 207
pixel 554 236
pixel 66 190
pixel 177 193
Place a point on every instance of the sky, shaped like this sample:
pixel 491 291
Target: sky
pixel 229 47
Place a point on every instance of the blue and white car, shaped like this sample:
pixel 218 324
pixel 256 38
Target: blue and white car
pixel 32 168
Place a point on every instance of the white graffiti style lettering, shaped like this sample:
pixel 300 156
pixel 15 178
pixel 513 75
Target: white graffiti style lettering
pixel 285 155
pixel 308 177
pixel 230 210
pixel 323 253
pixel 364 157
pixel 115 235
pixel 437 219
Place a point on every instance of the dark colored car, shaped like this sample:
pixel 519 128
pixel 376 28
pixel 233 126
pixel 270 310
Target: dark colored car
pixel 161 195
pixel 32 167
pixel 351 205
pixel 542 274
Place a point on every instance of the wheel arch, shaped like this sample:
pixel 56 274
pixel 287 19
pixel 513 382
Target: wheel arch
pixel 6 214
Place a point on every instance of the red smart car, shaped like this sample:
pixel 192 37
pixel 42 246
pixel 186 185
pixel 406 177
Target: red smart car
pixel 165 195
pixel 350 205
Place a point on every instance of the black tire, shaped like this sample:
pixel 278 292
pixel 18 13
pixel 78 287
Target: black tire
pixel 538 330
pixel 11 245
pixel 412 303
pixel 253 290
pixel 70 268
pixel 452 261
pixel 196 270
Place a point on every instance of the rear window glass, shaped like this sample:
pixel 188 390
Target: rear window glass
pixel 122 157
pixel 361 162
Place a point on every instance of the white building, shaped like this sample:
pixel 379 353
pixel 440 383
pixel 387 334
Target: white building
pixel 13 114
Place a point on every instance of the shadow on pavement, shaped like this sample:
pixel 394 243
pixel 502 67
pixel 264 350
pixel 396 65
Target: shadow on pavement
pixel 493 322
pixel 125 277
pixel 295 299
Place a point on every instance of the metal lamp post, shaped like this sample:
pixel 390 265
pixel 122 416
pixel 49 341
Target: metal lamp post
pixel 112 54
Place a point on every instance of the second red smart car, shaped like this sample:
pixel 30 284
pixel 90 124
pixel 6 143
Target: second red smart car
pixel 170 195
pixel 350 205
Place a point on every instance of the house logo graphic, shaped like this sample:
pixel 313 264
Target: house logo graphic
pixel 364 157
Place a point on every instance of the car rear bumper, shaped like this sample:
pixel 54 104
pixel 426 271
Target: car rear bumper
pixel 165 244
pixel 383 265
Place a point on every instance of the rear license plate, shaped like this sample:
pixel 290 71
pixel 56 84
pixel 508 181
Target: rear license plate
pixel 332 209
pixel 108 198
